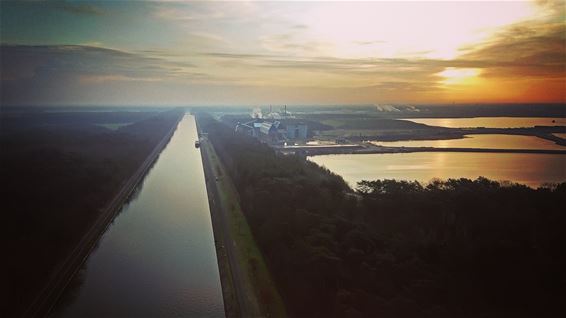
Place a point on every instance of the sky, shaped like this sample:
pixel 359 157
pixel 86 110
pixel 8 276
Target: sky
pixel 286 52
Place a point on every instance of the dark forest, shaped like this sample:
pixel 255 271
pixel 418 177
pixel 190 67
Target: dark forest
pixel 449 248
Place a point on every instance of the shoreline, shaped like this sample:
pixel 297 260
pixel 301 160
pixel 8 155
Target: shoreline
pixel 247 286
pixel 64 272
pixel 231 304
pixel 361 149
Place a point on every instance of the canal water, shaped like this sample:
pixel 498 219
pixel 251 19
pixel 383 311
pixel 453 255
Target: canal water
pixel 158 258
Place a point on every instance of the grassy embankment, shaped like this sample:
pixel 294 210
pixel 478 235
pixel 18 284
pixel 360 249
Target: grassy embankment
pixel 114 126
pixel 381 129
pixel 261 290
pixel 231 305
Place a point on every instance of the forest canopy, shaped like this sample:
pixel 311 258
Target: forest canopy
pixel 449 248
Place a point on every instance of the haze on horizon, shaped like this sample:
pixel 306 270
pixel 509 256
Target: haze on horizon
pixel 234 53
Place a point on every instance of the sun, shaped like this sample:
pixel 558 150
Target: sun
pixel 459 76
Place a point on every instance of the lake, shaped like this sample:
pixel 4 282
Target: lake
pixel 487 141
pixel 529 169
pixel 158 258
pixel 490 122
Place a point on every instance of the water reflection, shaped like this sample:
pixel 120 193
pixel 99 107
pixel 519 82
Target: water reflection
pixel 490 122
pixel 481 141
pixel 530 169
pixel 158 257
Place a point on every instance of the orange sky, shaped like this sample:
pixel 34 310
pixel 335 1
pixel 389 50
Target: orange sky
pixel 283 52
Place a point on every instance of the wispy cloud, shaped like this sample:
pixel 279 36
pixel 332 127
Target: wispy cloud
pixel 76 8
pixel 525 50
pixel 32 72
pixel 87 79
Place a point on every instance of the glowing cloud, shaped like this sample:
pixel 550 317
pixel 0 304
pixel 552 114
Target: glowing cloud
pixel 454 75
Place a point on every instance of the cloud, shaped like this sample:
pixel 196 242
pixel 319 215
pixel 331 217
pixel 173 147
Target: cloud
pixel 55 72
pixel 86 74
pixel 76 8
pixel 300 27
pixel 369 42
pixel 288 44
pixel 27 61
pixel 207 36
pixel 178 14
pixel 24 61
pixel 116 77
pixel 527 60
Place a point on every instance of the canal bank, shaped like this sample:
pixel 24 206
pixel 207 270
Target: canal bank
pixel 247 285
pixel 369 148
pixel 231 291
pixel 48 296
pixel 157 258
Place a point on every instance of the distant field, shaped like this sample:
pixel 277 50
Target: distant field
pixel 362 127
pixel 348 133
pixel 114 126
pixel 332 122
pixel 372 123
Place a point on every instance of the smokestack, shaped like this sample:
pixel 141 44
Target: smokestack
pixel 285 110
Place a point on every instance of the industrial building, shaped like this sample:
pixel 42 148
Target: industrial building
pixel 274 131
pixel 296 131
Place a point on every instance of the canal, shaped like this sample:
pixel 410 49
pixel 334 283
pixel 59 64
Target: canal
pixel 158 258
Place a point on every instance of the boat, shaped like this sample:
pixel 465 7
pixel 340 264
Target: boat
pixel 197 144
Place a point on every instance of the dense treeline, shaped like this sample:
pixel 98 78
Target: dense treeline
pixel 17 120
pixel 58 172
pixel 456 248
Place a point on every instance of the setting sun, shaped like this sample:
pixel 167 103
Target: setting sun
pixel 459 76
